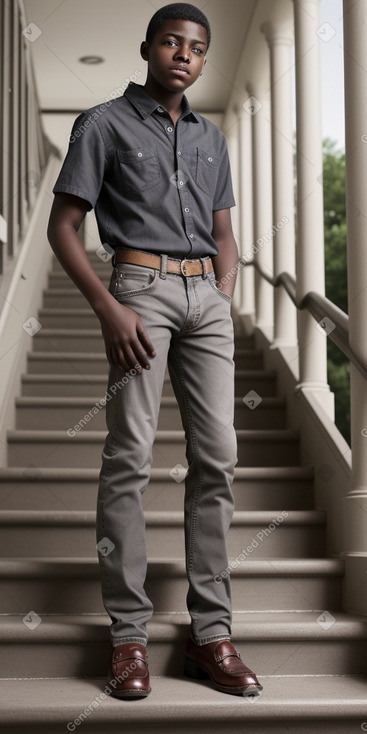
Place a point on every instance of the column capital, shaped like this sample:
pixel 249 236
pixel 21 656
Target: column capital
pixel 278 33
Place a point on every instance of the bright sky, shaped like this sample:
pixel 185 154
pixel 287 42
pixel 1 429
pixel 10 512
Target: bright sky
pixel 332 83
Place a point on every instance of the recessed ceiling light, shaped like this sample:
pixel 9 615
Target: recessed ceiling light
pixel 91 60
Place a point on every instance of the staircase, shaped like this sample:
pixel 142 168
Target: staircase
pixel 287 596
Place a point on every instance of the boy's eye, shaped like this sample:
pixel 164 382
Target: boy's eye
pixel 198 51
pixel 171 43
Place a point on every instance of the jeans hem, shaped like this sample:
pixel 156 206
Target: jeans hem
pixel 123 640
pixel 207 640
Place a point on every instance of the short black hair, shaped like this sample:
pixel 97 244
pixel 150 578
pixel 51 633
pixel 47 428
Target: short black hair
pixel 177 11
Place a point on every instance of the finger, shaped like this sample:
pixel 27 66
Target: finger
pixel 119 359
pixel 140 355
pixel 132 359
pixel 145 341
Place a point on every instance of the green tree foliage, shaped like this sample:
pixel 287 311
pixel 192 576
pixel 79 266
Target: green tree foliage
pixel 336 275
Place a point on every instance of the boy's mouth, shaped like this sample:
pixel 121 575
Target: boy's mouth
pixel 180 69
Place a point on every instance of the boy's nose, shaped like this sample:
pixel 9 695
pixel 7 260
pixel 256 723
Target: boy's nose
pixel 184 56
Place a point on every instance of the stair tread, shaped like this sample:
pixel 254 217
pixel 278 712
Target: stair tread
pixel 48 331
pixel 177 699
pixel 26 474
pixel 48 356
pixel 65 312
pixel 89 567
pixel 68 332
pixel 50 436
pixel 157 517
pixel 259 374
pixel 167 627
pixel 166 400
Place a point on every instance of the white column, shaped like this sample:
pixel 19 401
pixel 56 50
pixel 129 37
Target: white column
pixel 355 61
pixel 258 106
pixel 310 217
pixel 280 40
pixel 246 274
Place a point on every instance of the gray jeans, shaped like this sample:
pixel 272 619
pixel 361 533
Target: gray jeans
pixel 189 323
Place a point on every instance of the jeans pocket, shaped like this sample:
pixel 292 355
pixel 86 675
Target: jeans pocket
pixel 217 290
pixel 130 280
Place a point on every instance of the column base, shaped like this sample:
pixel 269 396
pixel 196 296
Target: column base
pixel 355 583
pixel 248 320
pixel 278 343
pixel 322 393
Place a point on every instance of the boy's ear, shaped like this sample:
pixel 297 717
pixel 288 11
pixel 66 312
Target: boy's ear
pixel 144 50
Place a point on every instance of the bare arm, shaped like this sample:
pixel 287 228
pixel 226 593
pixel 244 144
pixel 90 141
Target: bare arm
pixel 126 341
pixel 226 262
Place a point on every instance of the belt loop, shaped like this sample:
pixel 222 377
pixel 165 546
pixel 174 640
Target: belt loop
pixel 204 274
pixel 163 267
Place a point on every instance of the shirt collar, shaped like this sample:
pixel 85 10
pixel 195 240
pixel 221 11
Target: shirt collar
pixel 145 104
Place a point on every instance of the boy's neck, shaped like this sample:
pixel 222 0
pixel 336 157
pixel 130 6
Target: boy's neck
pixel 172 101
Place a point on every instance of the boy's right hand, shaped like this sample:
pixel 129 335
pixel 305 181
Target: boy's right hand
pixel 127 343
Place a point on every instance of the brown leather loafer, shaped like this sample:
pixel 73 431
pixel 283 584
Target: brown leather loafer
pixel 128 676
pixel 221 662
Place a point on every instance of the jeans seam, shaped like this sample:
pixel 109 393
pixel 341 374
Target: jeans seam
pixel 193 517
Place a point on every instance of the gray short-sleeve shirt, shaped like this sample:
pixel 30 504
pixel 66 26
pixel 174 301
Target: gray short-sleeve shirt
pixel 154 185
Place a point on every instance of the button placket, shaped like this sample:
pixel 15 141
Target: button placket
pixel 185 195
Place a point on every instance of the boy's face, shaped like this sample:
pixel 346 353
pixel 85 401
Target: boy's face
pixel 176 55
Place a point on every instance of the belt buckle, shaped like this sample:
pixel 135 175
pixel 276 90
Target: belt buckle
pixel 182 266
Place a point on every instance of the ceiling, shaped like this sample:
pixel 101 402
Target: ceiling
pixel 114 30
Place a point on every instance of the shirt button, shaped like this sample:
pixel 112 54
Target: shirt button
pixel 160 109
pixel 169 129
pixel 140 155
pixel 191 236
pixel 210 160
pixel 187 209
pixel 179 152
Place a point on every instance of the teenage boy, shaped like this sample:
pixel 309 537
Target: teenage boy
pixel 158 176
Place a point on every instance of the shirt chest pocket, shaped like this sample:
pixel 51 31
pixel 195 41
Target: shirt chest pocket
pixel 207 170
pixel 140 169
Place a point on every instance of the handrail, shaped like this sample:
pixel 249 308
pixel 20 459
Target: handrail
pixel 318 306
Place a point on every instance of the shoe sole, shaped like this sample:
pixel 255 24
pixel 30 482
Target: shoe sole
pixel 194 670
pixel 130 694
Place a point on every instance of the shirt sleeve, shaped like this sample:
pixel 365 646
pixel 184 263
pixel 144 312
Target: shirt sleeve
pixel 223 198
pixel 82 171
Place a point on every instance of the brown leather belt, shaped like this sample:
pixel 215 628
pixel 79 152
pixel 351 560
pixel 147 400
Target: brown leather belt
pixel 200 266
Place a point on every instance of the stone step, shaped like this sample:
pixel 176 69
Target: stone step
pixel 91 363
pixel 68 340
pixel 58 448
pixel 271 643
pixel 95 261
pixel 178 704
pixel 263 382
pixel 63 413
pixel 254 488
pixel 68 297
pixel 259 534
pixel 90 340
pixel 68 318
pixel 62 280
pixel 72 585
